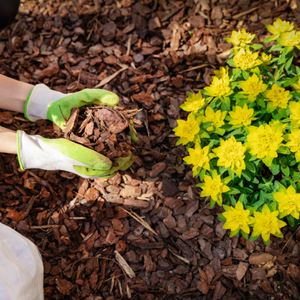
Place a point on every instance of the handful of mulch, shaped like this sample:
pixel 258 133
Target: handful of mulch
pixel 104 129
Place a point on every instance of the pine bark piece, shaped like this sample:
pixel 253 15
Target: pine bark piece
pixel 123 263
pixel 72 122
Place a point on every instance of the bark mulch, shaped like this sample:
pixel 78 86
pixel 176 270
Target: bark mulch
pixel 146 233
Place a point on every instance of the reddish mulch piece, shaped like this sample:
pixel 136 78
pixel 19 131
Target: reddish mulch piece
pixel 90 232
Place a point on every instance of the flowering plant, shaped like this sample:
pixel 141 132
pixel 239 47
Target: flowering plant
pixel 243 134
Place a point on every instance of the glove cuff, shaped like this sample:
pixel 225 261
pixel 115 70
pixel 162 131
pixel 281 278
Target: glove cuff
pixel 38 101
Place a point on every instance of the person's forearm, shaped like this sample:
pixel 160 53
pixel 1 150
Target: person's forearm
pixel 8 140
pixel 13 94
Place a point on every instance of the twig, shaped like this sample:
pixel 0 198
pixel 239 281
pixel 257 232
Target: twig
pixel 109 78
pixel 179 256
pixel 172 13
pixel 140 220
pixel 123 263
pixel 44 226
pixel 244 13
pixel 128 46
pixel 290 239
pixel 194 68
pixel 63 114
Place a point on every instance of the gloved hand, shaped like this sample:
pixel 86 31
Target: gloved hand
pixel 35 151
pixel 44 103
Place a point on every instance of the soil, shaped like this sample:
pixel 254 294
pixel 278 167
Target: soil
pixel 145 233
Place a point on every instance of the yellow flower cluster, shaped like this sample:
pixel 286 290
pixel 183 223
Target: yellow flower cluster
pixel 240 38
pixel 279 27
pixel 278 97
pixel 244 125
pixel 219 87
pixel 264 142
pixel 288 37
pixel 245 59
pixel 252 87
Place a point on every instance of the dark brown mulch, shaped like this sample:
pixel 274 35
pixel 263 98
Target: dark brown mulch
pixel 150 219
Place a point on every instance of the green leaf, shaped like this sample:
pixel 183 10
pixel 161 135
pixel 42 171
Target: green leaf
pixel 231 173
pixel 245 74
pixel 269 196
pixel 243 199
pixel 201 174
pixel 233 233
pixel 267 242
pixel 273 206
pixel 285 170
pixel 236 73
pixel 220 131
pixel 212 203
pixel 250 166
pixel 231 63
pixel 268 39
pixel 283 112
pixel 221 218
pixel 230 200
pixel 275 167
pixel 245 190
pixel 205 125
pixel 246 175
pixel 253 238
pixel 276 47
pixel 233 191
pixel 288 64
pixel 225 104
pixel 283 150
pixel 261 102
pixel 256 46
pixel 296 176
pixel 291 220
pixel 244 234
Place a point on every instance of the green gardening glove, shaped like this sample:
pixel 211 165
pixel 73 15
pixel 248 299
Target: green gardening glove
pixel 35 151
pixel 44 103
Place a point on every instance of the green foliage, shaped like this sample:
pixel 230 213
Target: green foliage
pixel 250 124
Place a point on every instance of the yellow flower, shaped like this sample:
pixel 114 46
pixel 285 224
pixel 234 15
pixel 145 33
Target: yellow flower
pixel 240 38
pixel 266 223
pixel 217 118
pixel 290 39
pixel 276 125
pixel 199 158
pixel 253 86
pixel 231 155
pixel 278 97
pixel 289 202
pixel 279 26
pixel 264 142
pixel 187 130
pixel 295 116
pixel 219 87
pixel 245 59
pixel 241 116
pixel 297 86
pixel 214 187
pixel 194 102
pixel 265 58
pixel 237 218
pixel 294 142
pixel 221 73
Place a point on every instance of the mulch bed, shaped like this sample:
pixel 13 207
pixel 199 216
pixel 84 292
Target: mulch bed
pixel 145 233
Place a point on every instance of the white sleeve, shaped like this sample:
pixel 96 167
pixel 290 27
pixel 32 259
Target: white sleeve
pixel 21 267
